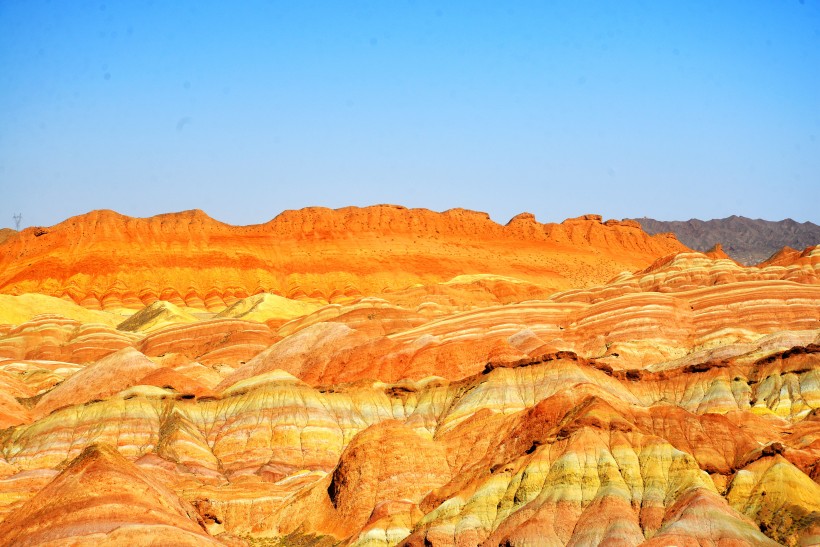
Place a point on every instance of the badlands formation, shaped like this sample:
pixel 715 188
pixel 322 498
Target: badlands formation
pixel 384 376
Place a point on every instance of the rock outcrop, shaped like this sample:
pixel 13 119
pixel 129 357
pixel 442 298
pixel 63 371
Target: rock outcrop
pixel 101 498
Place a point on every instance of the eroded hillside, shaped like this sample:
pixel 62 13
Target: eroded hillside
pixel 493 395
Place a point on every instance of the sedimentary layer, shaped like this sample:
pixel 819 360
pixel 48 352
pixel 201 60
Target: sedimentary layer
pixel 677 403
pixel 107 260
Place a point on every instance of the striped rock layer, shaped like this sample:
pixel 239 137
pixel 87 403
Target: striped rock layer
pixel 676 405
pixel 104 260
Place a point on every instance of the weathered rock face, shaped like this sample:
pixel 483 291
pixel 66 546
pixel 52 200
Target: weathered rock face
pixel 52 337
pixel 386 468
pixel 106 260
pixel 679 404
pixel 103 499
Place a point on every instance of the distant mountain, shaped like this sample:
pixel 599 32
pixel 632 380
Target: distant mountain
pixel 749 241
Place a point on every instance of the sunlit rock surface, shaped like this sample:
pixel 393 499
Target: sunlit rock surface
pixel 101 498
pixel 56 338
pixel 678 403
pixel 104 260
pixel 156 316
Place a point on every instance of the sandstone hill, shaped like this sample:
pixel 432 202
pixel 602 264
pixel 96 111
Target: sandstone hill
pixel 749 241
pixel 677 402
pixel 104 260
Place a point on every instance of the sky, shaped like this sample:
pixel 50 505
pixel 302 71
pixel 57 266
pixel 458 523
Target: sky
pixel 671 110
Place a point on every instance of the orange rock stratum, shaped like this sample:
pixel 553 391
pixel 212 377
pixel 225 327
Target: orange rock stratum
pixel 107 260
pixel 385 376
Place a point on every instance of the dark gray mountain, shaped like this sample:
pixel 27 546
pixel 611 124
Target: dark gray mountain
pixel 749 241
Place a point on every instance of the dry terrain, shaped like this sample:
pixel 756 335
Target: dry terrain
pixel 386 376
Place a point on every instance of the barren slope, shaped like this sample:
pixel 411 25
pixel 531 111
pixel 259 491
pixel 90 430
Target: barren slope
pixel 676 404
pixel 107 260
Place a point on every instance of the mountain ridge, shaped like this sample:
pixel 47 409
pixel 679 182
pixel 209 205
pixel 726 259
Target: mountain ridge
pixel 749 241
pixel 103 259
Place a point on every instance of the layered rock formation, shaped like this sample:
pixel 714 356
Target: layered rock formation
pixel 104 260
pixel 675 404
pixel 103 499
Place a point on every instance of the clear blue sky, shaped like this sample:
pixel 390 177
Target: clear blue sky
pixel 671 110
